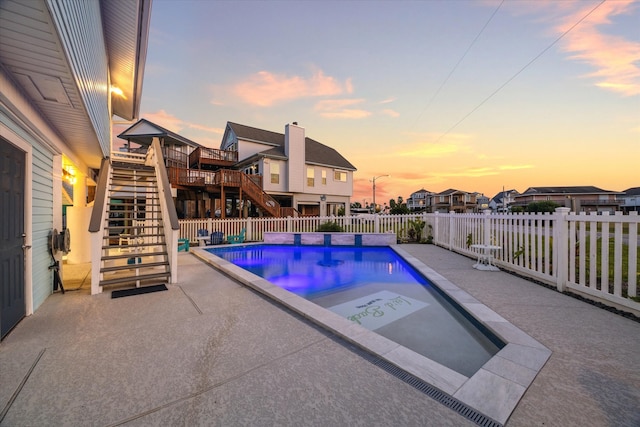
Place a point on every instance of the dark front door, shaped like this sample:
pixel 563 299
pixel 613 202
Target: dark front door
pixel 12 299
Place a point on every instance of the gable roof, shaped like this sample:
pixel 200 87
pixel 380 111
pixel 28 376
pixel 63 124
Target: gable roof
pixel 143 131
pixel 451 191
pixel 498 197
pixel 315 152
pixel 587 189
pixel 633 191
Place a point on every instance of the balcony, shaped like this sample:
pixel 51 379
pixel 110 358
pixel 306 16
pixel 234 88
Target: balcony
pixel 210 158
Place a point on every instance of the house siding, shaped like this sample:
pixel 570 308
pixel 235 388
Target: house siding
pixel 42 217
pixel 79 25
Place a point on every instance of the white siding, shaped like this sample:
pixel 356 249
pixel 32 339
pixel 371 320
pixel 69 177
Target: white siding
pixel 42 215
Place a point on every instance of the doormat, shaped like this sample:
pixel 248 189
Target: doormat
pixel 138 291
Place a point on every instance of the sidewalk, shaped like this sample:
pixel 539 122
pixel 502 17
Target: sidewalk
pixel 212 352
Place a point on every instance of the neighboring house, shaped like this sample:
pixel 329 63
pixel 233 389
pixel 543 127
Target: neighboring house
pixel 502 201
pixel 581 198
pixel 454 200
pixel 298 172
pixel 254 173
pixel 630 199
pixel 419 201
pixel 66 68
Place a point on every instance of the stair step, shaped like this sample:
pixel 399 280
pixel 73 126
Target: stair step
pixel 141 245
pixel 133 255
pixel 117 236
pixel 130 279
pixel 132 227
pixel 134 266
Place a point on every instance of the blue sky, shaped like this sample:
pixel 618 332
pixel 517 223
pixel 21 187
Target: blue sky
pixel 473 95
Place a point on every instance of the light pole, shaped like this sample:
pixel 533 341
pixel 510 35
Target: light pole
pixel 374 190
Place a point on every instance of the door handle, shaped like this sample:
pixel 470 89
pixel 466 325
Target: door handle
pixel 24 245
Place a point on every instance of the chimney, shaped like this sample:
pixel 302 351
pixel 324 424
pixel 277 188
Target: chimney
pixel 294 149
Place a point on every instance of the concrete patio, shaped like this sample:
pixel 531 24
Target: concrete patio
pixel 210 351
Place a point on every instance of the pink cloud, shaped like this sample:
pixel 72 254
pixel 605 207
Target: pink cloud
pixel 391 113
pixel 264 89
pixel 174 124
pixel 614 58
pixel 339 109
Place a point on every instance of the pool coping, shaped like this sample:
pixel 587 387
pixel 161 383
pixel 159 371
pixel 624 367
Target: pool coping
pixel 494 390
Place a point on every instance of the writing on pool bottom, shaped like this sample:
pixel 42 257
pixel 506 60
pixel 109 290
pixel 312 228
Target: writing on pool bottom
pixel 377 310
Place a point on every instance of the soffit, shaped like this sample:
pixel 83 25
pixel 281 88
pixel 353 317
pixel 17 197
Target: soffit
pixel 126 28
pixel 31 52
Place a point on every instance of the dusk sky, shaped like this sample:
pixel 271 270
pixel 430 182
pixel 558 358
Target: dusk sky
pixel 471 95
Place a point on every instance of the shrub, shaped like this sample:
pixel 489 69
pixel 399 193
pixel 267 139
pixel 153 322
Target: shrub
pixel 329 226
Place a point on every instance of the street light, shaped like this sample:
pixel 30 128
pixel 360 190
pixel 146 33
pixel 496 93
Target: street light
pixel 374 190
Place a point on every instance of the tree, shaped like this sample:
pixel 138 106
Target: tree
pixel 398 208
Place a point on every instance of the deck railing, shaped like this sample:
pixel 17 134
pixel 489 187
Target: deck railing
pixel 595 255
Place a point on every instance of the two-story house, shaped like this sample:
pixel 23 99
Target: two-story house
pixel 297 171
pixel 502 201
pixel 254 173
pixel 630 199
pixel 578 198
pixel 420 201
pixel 454 200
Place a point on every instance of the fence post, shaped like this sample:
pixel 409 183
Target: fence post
pixel 376 224
pixel 249 231
pixel 560 248
pixel 436 220
pixel 451 229
pixel 487 227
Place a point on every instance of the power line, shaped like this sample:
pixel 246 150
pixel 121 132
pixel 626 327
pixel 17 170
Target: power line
pixel 519 71
pixel 455 67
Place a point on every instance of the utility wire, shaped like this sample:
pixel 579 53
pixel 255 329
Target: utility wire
pixel 519 71
pixel 455 67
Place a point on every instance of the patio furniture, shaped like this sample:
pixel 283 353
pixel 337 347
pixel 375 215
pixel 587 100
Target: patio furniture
pixel 237 238
pixel 217 237
pixel 183 245
pixel 485 257
pixel 203 237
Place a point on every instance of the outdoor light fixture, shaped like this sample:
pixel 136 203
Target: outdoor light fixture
pixel 374 190
pixel 116 91
pixel 323 198
pixel 69 175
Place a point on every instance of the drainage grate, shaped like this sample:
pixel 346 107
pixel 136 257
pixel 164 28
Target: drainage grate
pixel 437 395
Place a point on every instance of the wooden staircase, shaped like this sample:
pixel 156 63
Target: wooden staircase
pixel 134 249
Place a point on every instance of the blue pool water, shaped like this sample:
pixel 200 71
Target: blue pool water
pixel 376 288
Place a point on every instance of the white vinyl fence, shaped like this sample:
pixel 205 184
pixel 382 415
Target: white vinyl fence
pixel 595 255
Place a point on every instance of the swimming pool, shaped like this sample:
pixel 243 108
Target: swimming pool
pixel 375 288
pixel 494 390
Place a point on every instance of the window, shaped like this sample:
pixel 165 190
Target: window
pixel 324 177
pixel 340 176
pixel 310 177
pixel 275 173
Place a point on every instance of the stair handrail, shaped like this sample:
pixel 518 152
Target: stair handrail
pixel 168 208
pixel 155 151
pixel 260 196
pixel 96 223
pixel 100 202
